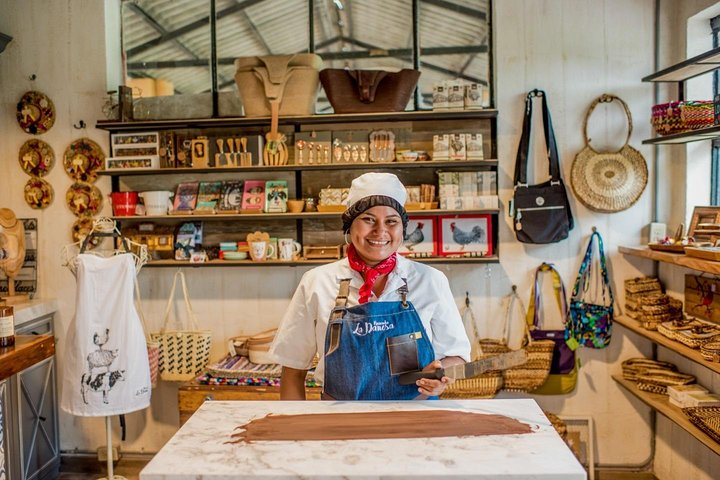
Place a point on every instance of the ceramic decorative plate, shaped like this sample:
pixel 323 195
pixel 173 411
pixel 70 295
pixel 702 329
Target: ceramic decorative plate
pixel 38 193
pixel 81 229
pixel 82 159
pixel 35 112
pixel 83 199
pixel 36 158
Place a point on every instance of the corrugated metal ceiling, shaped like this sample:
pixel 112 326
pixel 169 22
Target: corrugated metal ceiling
pixel 170 39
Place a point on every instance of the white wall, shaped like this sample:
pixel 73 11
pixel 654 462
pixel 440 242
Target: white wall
pixel 573 49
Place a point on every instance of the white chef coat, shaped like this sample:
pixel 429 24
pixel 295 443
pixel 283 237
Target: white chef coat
pixel 302 330
pixel 106 369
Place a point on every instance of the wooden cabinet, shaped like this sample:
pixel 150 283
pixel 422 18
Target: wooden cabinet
pixel 413 130
pixel 191 395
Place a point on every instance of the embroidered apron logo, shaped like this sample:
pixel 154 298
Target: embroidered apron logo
pixel 364 328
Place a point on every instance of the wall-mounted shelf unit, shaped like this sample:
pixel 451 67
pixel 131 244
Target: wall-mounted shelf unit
pixel 304 263
pixel 660 339
pixel 679 73
pixel 660 403
pixel 679 259
pixel 412 130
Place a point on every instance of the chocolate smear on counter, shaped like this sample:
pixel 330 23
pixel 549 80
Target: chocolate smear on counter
pixel 377 425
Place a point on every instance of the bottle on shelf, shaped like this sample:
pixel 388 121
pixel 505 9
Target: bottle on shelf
pixel 7 326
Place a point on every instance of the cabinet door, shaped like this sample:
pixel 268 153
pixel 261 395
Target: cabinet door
pixel 3 440
pixel 36 398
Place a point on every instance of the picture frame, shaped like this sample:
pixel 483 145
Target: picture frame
pixel 465 235
pixel 421 237
pixel 705 224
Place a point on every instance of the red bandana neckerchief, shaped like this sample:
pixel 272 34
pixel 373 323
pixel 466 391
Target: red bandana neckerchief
pixel 370 274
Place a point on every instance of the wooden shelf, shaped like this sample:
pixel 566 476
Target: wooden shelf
pixel 692 67
pixel 305 168
pixel 660 339
pixel 661 403
pixel 283 216
pixel 240 122
pixel 680 259
pixel 303 263
pixel 686 137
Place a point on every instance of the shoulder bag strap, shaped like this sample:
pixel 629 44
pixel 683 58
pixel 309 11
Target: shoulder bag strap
pixel 533 314
pixel 171 299
pixel 524 147
pixel 585 272
pixel 514 299
pixel 521 161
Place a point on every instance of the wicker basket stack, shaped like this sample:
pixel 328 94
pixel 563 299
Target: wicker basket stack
pixel 654 375
pixel 635 290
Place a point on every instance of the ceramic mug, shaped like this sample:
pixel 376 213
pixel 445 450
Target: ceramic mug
pixel 260 251
pixel 156 202
pixel 288 248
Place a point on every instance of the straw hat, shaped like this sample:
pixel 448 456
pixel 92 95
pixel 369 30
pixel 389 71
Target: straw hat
pixel 608 181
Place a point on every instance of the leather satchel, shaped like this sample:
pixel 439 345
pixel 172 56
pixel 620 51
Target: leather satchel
pixel 541 213
pixel 366 91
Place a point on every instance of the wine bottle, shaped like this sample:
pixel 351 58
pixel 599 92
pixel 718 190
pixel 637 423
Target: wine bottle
pixel 7 326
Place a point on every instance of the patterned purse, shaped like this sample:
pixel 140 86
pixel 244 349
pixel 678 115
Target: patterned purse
pixel 590 324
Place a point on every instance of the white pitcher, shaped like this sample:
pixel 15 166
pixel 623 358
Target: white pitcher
pixel 156 202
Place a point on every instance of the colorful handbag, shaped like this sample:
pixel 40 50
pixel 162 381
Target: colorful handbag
pixel 590 324
pixel 563 360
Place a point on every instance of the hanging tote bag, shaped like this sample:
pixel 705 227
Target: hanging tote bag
pixel 563 360
pixel 565 364
pixel 485 385
pixel 608 181
pixel 541 213
pixel 533 373
pixel 590 324
pixel 153 346
pixel 183 352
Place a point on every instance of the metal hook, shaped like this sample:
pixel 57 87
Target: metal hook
pixel 467 299
pixel 594 230
pixel 535 93
pixel 80 125
pixel 33 77
pixel 514 288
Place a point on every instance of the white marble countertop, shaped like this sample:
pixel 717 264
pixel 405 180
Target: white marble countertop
pixel 25 312
pixel 199 451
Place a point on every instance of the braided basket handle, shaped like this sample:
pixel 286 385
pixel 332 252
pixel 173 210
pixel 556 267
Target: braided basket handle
pixel 607 98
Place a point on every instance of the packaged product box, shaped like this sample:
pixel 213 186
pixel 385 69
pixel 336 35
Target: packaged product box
pixel 456 95
pixel 474 146
pixel 440 96
pixel 441 147
pixel 473 96
pixel 456 150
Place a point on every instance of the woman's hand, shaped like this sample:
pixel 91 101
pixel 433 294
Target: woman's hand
pixel 430 386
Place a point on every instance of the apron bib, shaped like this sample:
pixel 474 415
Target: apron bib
pixel 368 346
pixel 106 370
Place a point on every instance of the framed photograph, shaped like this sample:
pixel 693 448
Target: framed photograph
pixel 705 224
pixel 465 235
pixel 420 238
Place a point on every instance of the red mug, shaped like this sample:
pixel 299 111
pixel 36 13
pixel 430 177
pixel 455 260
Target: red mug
pixel 124 203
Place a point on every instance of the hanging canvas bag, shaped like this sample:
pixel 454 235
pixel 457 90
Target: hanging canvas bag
pixel 608 181
pixel 183 352
pixel 541 213
pixel 590 323
pixel 153 346
pixel 563 360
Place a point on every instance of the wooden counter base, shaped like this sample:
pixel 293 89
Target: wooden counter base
pixel 191 395
pixel 27 351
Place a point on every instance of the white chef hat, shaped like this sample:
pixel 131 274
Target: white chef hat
pixel 371 190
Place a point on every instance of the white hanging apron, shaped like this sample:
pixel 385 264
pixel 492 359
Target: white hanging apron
pixel 106 369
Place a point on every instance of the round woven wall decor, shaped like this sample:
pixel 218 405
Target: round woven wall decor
pixel 608 182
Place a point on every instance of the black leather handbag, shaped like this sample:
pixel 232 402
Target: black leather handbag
pixel 541 212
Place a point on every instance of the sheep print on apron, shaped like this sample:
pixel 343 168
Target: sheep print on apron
pixel 106 370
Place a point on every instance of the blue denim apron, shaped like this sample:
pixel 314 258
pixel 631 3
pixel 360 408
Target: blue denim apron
pixel 357 345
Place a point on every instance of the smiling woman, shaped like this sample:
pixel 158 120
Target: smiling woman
pixel 373 315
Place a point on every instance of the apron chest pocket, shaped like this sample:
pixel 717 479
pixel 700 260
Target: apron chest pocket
pixel 403 353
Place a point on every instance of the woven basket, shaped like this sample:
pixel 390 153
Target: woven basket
pixel 633 367
pixel 706 419
pixel 711 350
pixel 642 284
pixel 697 336
pixel 676 117
pixel 665 378
pixel 652 388
pixel 670 329
pixel 484 386
pixel 259 346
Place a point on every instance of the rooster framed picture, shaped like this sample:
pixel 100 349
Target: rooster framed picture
pixel 465 235
pixel 420 238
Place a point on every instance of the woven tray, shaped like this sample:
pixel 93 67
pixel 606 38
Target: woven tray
pixel 697 336
pixel 711 350
pixel 652 388
pixel 664 377
pixel 239 367
pixel 674 248
pixel 706 419
pixel 642 284
pixel 632 367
